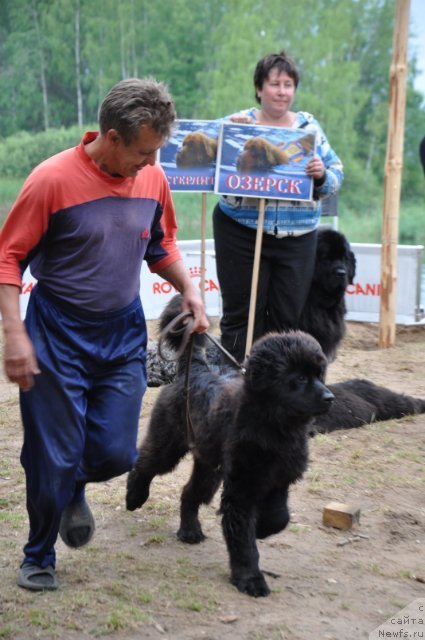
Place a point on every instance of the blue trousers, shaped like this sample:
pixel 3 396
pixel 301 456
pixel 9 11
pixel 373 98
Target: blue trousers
pixel 81 416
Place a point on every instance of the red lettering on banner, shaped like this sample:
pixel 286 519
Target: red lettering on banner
pixel 164 287
pixel 27 288
pixel 372 289
pixel 212 286
pixel 369 289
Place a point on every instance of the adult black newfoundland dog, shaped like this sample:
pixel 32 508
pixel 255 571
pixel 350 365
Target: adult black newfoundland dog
pixel 249 430
pixel 324 312
pixel 359 402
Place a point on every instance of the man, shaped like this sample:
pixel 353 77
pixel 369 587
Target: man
pixel 84 221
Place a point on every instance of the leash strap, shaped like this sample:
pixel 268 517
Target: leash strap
pixel 186 389
pixel 226 353
pixel 182 325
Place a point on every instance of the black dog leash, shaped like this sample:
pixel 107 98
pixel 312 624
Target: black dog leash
pixel 182 325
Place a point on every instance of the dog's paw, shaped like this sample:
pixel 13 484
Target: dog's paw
pixel 190 536
pixel 254 585
pixel 137 491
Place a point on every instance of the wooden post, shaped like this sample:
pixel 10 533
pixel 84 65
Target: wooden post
pixel 393 173
pixel 255 272
pixel 203 234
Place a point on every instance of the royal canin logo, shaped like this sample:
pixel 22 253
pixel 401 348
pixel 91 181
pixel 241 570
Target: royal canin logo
pixel 144 235
pixel 367 289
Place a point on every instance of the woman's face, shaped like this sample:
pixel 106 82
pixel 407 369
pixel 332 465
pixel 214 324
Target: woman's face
pixel 277 93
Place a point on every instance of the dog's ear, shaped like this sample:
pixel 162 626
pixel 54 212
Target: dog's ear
pixel 258 371
pixel 351 267
pixel 263 362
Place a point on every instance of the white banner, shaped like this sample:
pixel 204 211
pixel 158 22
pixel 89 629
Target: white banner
pixel 362 298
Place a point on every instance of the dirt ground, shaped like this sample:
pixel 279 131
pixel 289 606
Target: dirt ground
pixel 137 581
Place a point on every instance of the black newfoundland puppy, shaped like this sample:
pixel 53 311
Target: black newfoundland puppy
pixel 324 312
pixel 249 430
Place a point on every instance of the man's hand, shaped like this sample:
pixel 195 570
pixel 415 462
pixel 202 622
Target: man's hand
pixel 20 364
pixel 176 274
pixel 192 302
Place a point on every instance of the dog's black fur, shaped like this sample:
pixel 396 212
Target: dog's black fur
pixel 359 402
pixel 324 312
pixel 251 431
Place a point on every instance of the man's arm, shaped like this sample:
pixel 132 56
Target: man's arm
pixel 178 276
pixel 20 363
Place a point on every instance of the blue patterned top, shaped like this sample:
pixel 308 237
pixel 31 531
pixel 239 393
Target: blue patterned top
pixel 290 217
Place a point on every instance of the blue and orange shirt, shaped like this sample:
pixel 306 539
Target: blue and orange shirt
pixel 85 233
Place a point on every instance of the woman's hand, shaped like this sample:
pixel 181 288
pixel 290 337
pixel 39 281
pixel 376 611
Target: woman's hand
pixel 241 118
pixel 315 168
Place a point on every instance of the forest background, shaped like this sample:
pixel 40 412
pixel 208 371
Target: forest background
pixel 58 58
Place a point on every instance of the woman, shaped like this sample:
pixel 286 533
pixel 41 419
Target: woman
pixel 289 241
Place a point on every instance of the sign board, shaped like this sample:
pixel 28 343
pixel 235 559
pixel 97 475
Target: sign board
pixel 189 157
pixel 264 162
pixel 362 298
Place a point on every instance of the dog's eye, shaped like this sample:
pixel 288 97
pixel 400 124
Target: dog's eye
pixel 302 379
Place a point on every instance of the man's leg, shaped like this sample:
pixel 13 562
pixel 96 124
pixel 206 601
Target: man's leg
pixel 114 404
pixel 53 416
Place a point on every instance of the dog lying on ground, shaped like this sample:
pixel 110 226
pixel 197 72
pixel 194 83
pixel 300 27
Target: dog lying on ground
pixel 324 312
pixel 250 431
pixel 359 402
pixel 197 150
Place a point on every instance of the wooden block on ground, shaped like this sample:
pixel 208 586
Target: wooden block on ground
pixel 340 516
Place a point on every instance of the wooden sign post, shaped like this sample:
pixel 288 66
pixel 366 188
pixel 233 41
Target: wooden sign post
pixel 255 272
pixel 393 173
pixel 203 237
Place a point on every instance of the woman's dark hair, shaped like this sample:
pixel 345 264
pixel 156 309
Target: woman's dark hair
pixel 280 61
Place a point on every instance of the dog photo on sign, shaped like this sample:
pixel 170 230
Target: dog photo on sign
pixel 260 161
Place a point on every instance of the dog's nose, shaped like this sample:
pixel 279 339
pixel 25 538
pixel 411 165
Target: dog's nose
pixel 328 396
pixel 340 272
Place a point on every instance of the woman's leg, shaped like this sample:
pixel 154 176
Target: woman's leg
pixel 234 252
pixel 292 261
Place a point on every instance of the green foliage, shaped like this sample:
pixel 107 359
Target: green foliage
pixel 20 153
pixel 58 59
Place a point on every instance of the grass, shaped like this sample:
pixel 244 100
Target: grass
pixel 364 225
